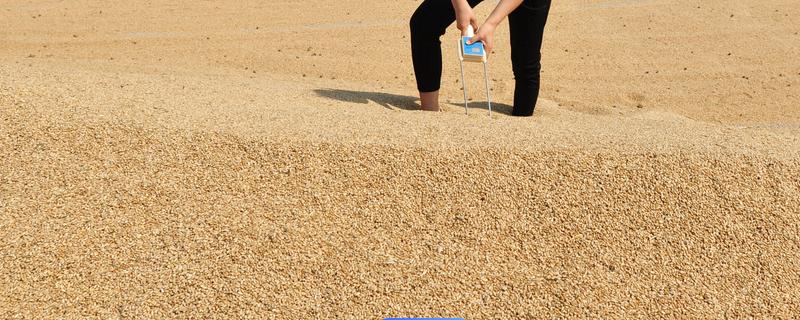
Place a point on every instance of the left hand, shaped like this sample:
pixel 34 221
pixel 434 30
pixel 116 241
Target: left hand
pixel 485 34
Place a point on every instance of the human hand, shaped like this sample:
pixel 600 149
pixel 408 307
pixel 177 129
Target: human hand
pixel 465 18
pixel 485 34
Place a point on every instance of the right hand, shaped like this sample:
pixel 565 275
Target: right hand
pixel 464 18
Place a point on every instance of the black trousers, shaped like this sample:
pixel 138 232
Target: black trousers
pixel 526 24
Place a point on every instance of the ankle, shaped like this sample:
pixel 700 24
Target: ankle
pixel 429 101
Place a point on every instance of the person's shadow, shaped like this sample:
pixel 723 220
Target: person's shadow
pixel 500 108
pixel 394 101
pixel 386 100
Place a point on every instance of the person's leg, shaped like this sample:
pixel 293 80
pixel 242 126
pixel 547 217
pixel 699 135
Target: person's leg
pixel 527 28
pixel 428 24
pixel 429 101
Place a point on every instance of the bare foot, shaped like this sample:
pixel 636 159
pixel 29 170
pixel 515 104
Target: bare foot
pixel 429 101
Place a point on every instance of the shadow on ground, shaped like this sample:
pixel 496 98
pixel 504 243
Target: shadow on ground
pixel 387 100
pixel 394 101
pixel 482 106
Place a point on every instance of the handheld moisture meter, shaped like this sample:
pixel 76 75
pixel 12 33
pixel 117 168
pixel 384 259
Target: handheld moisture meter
pixel 475 52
